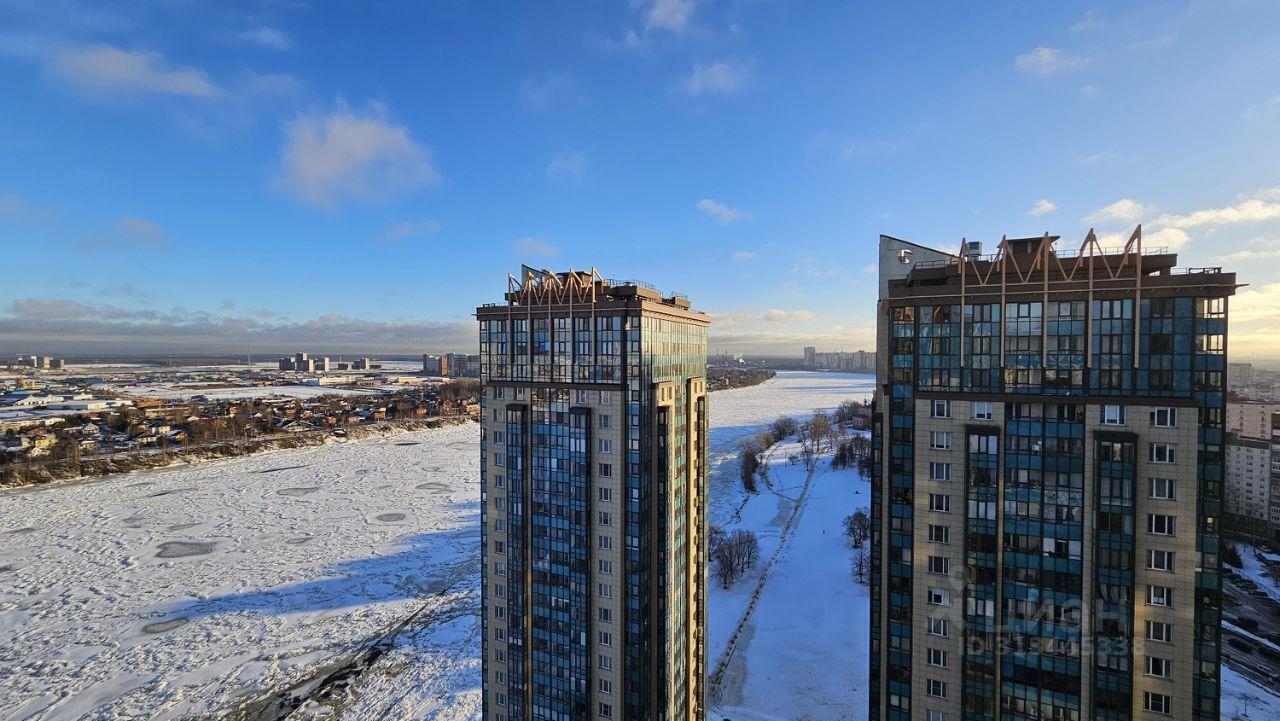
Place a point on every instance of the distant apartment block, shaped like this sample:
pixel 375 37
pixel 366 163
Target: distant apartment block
pixel 1049 431
pixel 304 363
pixel 1251 418
pixel 41 362
pixel 856 362
pixel 1247 487
pixel 593 498
pixel 451 365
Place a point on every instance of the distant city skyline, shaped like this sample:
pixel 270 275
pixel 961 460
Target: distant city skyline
pixel 249 177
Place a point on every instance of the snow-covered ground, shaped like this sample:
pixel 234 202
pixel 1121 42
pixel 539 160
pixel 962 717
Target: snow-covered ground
pixel 1260 571
pixel 192 591
pixel 189 591
pixel 1243 700
pixel 811 613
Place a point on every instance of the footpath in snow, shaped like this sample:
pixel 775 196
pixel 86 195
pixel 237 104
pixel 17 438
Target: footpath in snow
pixel 811 614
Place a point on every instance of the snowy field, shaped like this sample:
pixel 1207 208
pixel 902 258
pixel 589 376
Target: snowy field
pixel 811 614
pixel 226 588
pixel 191 591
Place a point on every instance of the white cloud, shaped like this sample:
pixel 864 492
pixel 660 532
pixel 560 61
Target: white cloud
pixel 775 315
pixel 1091 21
pixel 128 234
pixel 810 267
pixel 551 90
pixel 669 14
pixel 720 77
pixel 410 229
pixel 1095 158
pixel 866 149
pixel 105 71
pixel 1248 254
pixel 1171 238
pixel 743 256
pixel 269 38
pixel 720 211
pixel 1043 62
pixel 1253 210
pixel 328 159
pixel 567 166
pixel 1126 210
pixel 1043 206
pixel 871 269
pixel 534 245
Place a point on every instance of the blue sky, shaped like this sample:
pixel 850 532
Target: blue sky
pixel 342 176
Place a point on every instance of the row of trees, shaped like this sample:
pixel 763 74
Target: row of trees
pixel 732 554
pixel 857 528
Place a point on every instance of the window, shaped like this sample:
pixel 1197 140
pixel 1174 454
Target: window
pixel 1159 667
pixel 937 657
pixel 606 397
pixel 939 597
pixel 938 627
pixel 939 565
pixel 606 686
pixel 606 590
pixel 499 634
pixel 1159 631
pixel 499 459
pixel 499 569
pixel 605 518
pixel 980 410
pixel 940 440
pixel 1164 417
pixel 939 471
pixel 497 436
pixel 1159 595
pixel 606 445
pixel 939 502
pixel 606 567
pixel 606 494
pixel 937 715
pixel 1113 415
pixel 606 710
pixel 605 420
pixel 1163 453
pixel 939 534
pixel 1159 524
pixel 606 638
pixel 1161 488
pixel 499 481
pixel 940 409
pixel 937 688
pixel 606 470
pixel 606 615
pixel 1157 703
pixel 499 547
pixel 606 663
pixel 1159 560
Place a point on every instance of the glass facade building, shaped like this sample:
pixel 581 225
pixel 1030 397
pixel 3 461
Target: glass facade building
pixel 1048 440
pixel 594 422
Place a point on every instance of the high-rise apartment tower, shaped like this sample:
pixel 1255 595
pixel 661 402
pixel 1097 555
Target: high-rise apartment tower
pixel 1048 465
pixel 594 473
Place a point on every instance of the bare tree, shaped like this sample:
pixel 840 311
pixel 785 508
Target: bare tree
pixel 736 554
pixel 861 564
pixel 749 465
pixel 858 527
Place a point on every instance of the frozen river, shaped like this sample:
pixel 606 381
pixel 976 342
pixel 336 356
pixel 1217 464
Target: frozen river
pixel 194 590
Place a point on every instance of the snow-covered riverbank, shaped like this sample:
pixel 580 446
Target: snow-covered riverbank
pixel 182 591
